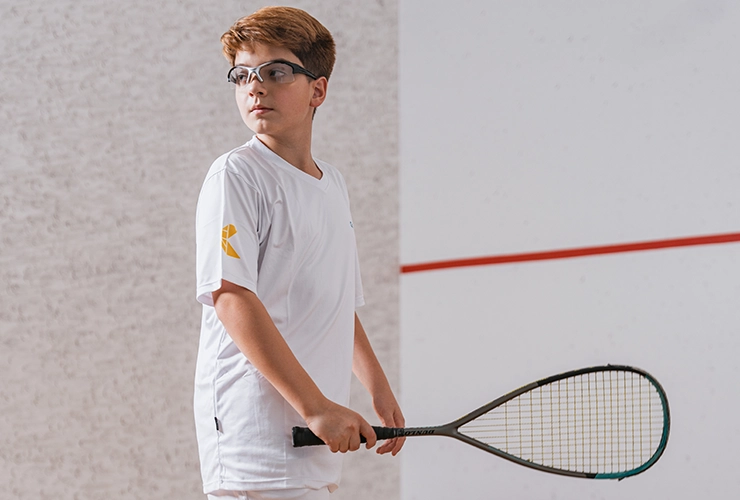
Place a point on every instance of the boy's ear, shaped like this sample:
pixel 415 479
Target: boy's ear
pixel 319 91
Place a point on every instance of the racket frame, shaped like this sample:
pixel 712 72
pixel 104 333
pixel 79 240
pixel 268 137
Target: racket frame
pixel 303 436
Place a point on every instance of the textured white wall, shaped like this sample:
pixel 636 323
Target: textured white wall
pixel 111 114
pixel 541 125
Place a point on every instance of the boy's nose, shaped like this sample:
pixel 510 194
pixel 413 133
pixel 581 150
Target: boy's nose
pixel 254 86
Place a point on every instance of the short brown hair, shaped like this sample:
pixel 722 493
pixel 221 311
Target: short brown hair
pixel 287 27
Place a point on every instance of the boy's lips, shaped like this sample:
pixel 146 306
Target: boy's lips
pixel 259 109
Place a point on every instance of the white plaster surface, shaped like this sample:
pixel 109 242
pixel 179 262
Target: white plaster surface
pixel 111 114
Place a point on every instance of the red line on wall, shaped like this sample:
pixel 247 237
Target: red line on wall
pixel 573 252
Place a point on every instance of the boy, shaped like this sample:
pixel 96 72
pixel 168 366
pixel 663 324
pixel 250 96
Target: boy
pixel 278 276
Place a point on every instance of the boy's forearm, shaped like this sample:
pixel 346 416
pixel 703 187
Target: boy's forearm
pixel 255 334
pixel 367 368
pixel 365 363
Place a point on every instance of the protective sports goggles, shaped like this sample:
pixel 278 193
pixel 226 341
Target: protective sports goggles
pixel 269 72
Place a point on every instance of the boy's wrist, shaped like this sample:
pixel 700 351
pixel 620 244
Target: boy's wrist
pixel 378 385
pixel 312 406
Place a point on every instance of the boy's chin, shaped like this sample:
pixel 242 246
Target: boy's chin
pixel 257 129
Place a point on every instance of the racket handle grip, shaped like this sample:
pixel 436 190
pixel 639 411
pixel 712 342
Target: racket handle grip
pixel 303 436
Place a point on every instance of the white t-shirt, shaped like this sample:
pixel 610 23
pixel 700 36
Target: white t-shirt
pixel 288 237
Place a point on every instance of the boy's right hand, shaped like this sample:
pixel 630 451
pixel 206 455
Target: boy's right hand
pixel 340 428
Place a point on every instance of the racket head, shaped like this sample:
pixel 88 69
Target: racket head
pixel 600 422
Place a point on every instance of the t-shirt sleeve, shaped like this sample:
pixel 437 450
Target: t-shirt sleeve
pixel 227 234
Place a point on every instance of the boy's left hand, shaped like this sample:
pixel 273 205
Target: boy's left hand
pixel 390 415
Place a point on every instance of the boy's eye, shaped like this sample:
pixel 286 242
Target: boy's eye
pixel 239 77
pixel 279 73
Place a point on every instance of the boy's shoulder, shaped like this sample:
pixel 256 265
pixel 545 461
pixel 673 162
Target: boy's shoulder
pixel 235 160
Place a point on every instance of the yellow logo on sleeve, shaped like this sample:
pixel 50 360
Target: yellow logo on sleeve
pixel 226 233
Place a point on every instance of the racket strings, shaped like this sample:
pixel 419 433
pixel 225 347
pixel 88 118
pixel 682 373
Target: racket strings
pixel 601 422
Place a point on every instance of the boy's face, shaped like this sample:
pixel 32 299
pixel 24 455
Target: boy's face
pixel 278 110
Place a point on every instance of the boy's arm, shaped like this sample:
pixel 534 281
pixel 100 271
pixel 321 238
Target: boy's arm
pixel 253 331
pixel 368 370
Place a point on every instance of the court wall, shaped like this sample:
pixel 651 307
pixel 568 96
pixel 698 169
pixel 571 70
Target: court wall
pixel 532 127
pixel 111 114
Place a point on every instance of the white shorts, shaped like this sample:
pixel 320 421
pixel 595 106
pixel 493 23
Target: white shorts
pixel 294 494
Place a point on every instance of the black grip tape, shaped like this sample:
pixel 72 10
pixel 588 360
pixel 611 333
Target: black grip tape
pixel 303 436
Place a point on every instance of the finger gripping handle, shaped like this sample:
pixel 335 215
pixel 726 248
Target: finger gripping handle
pixel 303 436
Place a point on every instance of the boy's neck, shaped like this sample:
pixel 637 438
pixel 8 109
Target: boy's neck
pixel 296 152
